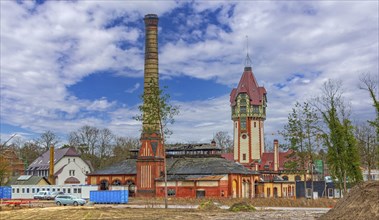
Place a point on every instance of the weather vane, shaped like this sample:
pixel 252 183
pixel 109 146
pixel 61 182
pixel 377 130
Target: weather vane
pixel 247 60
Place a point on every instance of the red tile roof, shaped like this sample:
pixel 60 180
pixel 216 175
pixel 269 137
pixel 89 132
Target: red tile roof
pixel 228 156
pixel 248 84
pixel 268 159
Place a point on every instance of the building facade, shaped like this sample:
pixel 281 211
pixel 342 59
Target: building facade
pixel 193 171
pixel 69 167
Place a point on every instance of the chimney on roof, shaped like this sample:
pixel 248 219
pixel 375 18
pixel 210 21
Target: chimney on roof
pixel 51 166
pixel 276 155
pixel 213 143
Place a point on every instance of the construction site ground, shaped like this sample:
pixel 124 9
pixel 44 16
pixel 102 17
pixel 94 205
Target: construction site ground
pixel 177 209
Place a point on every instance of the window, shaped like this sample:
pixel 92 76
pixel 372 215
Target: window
pixel 13 190
pixel 330 192
pixel 73 159
pixel 33 190
pixel 69 160
pixel 243 156
pixel 53 189
pixel 64 190
pixel 72 172
pixel 171 192
pixel 243 109
pixel 27 190
pixel 79 190
pixel 243 123
pixel 255 109
pixel 18 190
pixel 75 190
pixel 68 190
pixel 255 124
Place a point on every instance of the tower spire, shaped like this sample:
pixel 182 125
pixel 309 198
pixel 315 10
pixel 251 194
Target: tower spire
pixel 247 59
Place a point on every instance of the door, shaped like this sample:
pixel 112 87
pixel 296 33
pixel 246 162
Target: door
pixel 200 193
pixel 234 188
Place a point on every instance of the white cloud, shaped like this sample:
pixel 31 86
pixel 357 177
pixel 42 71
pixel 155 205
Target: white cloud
pixel 134 88
pixel 60 43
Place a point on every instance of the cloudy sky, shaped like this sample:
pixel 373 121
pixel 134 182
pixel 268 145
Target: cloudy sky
pixel 72 63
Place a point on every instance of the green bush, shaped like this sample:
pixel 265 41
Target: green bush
pixel 208 205
pixel 242 207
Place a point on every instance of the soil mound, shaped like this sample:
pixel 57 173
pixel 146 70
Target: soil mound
pixel 362 202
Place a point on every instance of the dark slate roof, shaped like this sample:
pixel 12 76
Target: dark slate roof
pixel 124 167
pixel 182 167
pixel 208 166
pixel 29 180
pixel 42 162
pixel 181 147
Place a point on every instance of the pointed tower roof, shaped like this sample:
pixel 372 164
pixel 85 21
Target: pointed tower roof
pixel 248 84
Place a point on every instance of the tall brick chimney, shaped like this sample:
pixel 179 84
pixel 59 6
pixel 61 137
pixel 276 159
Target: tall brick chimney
pixel 151 73
pixel 151 155
pixel 51 166
pixel 276 155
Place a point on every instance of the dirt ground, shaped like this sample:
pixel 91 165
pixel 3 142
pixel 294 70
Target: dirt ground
pixel 362 202
pixel 148 209
pixel 87 212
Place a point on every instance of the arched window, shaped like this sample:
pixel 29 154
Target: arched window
pixel 285 178
pixel 116 182
pixel 104 185
pixel 297 178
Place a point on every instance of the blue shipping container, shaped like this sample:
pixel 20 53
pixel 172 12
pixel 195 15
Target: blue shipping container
pixel 5 192
pixel 109 197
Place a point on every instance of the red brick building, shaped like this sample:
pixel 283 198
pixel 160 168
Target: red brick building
pixel 192 171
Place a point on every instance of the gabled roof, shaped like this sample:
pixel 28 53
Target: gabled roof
pixel 42 162
pixel 248 84
pixel 31 180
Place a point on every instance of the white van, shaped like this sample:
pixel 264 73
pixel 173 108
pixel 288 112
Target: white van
pixel 41 195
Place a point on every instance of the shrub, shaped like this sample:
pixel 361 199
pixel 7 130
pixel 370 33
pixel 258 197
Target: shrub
pixel 242 207
pixel 208 205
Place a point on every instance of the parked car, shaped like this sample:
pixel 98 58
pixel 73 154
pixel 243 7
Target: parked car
pixel 69 200
pixel 41 195
pixel 53 195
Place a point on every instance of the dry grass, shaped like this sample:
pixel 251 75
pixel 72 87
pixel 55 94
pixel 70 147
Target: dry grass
pixel 258 202
pixel 112 212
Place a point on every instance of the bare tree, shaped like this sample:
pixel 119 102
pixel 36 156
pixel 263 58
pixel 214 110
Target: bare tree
pixel 105 144
pixel 47 139
pixel 85 139
pixel 30 151
pixel 122 147
pixel 368 146
pixel 223 141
